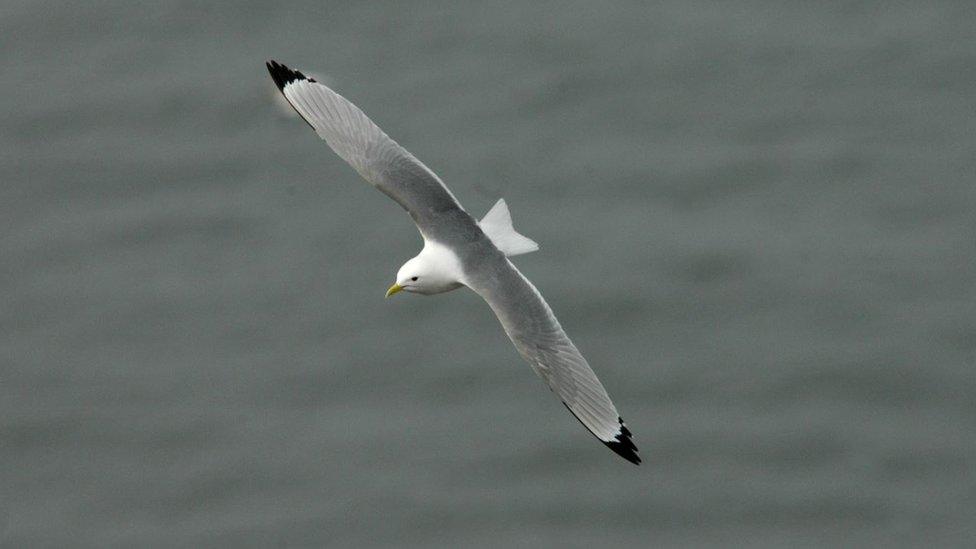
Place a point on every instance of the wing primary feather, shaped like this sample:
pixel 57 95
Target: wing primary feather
pixel 283 76
pixel 622 444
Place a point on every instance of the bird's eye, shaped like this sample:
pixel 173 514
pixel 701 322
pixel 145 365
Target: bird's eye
pixel 414 279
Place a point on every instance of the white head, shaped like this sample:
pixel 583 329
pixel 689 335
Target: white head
pixel 434 270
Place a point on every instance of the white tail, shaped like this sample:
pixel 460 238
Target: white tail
pixel 497 225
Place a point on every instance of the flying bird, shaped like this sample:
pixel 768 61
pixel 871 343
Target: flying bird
pixel 461 251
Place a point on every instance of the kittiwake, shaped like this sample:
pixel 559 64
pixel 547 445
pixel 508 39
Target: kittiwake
pixel 461 251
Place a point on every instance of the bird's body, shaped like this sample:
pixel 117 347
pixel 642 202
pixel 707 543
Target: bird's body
pixel 461 251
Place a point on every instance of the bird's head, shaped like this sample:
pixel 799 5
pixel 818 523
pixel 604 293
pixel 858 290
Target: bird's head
pixel 414 276
pixel 425 275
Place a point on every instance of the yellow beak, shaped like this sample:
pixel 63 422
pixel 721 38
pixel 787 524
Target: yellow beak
pixel 394 289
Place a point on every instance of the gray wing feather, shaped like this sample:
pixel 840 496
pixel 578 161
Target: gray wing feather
pixel 538 337
pixel 357 140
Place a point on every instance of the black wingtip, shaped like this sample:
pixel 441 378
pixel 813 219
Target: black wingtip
pixel 623 445
pixel 283 76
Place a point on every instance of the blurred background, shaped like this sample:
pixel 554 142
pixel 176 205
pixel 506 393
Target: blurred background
pixel 756 222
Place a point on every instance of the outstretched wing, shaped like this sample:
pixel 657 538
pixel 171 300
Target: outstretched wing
pixel 357 140
pixel 538 337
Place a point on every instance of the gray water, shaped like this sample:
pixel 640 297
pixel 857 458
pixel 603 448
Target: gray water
pixel 757 222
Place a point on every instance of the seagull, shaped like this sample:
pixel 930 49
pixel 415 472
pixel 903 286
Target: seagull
pixel 461 251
